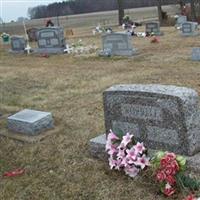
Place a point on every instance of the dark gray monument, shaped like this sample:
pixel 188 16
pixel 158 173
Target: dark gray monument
pixel 153 28
pixel 18 44
pixel 50 40
pixel 190 29
pixel 118 44
pixel 163 117
pixel 196 53
pixel 30 122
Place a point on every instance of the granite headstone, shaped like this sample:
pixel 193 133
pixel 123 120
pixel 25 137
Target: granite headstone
pixel 190 29
pixel 18 44
pixel 164 117
pixel 50 40
pixel 153 27
pixel 118 44
pixel 196 53
pixel 180 20
pixel 30 122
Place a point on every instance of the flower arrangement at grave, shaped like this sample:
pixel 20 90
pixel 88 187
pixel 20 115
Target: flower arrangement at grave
pixel 167 168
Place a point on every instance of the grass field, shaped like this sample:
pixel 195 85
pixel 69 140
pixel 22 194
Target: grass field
pixel 60 166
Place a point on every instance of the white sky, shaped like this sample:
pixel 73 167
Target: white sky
pixel 12 9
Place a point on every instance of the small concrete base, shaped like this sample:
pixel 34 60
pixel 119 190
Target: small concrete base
pixel 26 138
pixel 49 50
pixel 189 34
pixel 97 150
pixel 16 52
pixel 127 53
pixel 30 122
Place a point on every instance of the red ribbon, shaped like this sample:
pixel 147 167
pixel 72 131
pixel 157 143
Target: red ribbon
pixel 13 173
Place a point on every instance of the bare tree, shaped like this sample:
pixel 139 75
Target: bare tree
pixel 159 6
pixel 120 11
pixel 193 10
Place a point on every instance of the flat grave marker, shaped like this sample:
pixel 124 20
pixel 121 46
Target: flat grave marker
pixel 30 122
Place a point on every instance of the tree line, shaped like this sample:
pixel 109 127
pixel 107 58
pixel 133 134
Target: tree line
pixel 86 6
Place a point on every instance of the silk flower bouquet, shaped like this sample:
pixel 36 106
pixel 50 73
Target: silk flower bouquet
pixel 125 154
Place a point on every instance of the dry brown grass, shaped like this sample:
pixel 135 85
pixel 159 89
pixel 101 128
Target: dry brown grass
pixel 71 87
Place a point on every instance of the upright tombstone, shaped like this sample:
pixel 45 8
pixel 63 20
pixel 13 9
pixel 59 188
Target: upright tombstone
pixel 190 29
pixel 50 40
pixel 18 44
pixel 153 28
pixel 118 44
pixel 196 54
pixel 163 117
pixel 180 20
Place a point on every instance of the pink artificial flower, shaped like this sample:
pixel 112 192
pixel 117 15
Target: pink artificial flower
pixel 142 161
pixel 112 162
pixel 118 164
pixel 111 136
pixel 139 147
pixel 132 154
pixel 121 153
pixel 108 145
pixel 112 150
pixel 125 162
pixel 126 139
pixel 132 171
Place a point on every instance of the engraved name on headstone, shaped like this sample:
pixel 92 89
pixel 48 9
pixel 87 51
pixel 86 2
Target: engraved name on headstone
pixel 164 117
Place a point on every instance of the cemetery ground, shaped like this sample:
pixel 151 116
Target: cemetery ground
pixel 71 86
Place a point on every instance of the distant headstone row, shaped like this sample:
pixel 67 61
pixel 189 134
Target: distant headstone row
pixel 49 40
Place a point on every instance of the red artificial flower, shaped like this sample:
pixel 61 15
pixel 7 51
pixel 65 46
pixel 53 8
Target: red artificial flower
pixel 169 170
pixel 190 197
pixel 171 156
pixel 175 165
pixel 168 191
pixel 160 176
pixel 171 180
